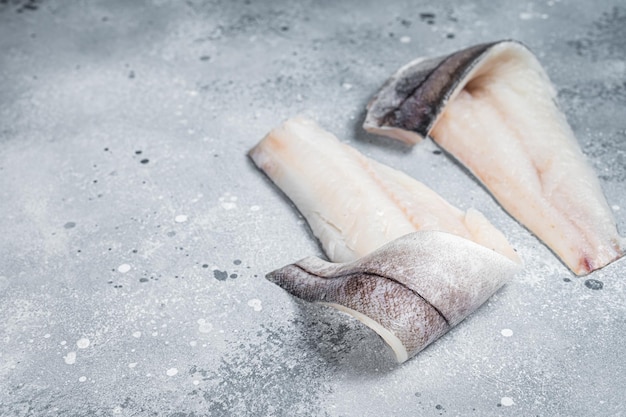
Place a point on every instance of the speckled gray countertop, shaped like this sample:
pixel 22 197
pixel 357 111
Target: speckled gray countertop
pixel 136 233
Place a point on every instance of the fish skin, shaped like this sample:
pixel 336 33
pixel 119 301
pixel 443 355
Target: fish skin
pixel 416 287
pixel 562 188
pixel 390 305
pixel 413 98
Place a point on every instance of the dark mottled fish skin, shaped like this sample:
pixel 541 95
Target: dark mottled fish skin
pixel 417 287
pixel 392 305
pixel 414 96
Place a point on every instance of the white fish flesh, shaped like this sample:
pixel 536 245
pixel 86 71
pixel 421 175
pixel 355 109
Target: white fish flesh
pixel 414 265
pixel 355 205
pixel 492 107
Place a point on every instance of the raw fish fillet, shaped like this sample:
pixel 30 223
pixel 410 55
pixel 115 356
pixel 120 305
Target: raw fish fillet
pixel 353 204
pixel 414 265
pixel 493 108
pixel 411 291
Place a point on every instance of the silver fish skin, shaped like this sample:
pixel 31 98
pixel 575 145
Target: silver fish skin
pixel 411 291
pixel 493 108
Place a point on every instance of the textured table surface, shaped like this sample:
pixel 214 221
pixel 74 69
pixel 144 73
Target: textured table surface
pixel 136 233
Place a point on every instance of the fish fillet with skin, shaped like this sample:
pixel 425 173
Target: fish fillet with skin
pixel 355 205
pixel 411 291
pixel 493 108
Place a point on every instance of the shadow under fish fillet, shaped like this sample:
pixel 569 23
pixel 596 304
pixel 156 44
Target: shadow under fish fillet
pixel 355 205
pixel 411 291
pixel 492 107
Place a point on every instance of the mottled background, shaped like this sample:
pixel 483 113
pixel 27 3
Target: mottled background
pixel 136 233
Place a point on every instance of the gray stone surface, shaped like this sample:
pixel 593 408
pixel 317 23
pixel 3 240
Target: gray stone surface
pixel 135 232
